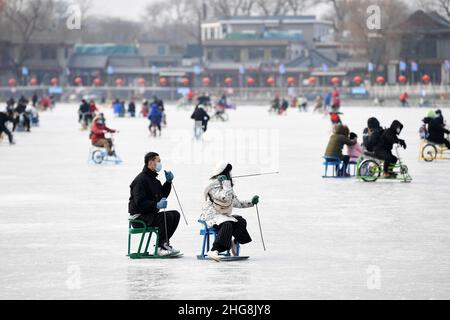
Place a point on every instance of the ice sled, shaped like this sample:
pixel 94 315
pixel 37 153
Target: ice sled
pixel 207 232
pixel 335 163
pixel 143 230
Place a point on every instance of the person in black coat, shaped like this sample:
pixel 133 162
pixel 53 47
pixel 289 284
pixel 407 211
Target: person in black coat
pixel 149 197
pixel 437 131
pixel 372 134
pixel 383 150
pixel 4 118
pixel 132 109
pixel 21 110
pixel 202 116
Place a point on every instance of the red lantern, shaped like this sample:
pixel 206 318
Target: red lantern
pixel 34 82
pixel 141 81
pixel 163 81
pixel 119 82
pixel 358 80
pixel 335 81
pixel 54 82
pixel 426 78
pixel 270 81
pixel 402 79
pixel 78 81
pixel 229 81
pixel 291 81
pixel 97 82
pixel 312 80
pixel 250 81
pixel 380 80
pixel 12 82
pixel 206 81
pixel 185 81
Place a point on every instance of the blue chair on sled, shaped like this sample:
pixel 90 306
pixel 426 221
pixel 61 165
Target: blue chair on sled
pixel 335 163
pixel 207 232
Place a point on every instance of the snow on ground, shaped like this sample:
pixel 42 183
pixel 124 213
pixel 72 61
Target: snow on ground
pixel 63 222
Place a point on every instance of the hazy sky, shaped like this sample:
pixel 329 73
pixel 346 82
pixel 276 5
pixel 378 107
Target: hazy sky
pixel 129 9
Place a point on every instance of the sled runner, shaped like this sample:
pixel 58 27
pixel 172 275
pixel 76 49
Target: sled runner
pixel 207 233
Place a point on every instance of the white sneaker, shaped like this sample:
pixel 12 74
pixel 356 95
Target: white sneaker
pixel 171 249
pixel 163 252
pixel 214 255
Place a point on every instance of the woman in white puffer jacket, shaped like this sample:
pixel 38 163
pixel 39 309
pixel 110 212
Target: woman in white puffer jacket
pixel 217 212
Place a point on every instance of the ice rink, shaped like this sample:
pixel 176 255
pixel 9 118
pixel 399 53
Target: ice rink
pixel 63 222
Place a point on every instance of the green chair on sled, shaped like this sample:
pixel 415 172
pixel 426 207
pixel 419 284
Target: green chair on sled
pixel 142 230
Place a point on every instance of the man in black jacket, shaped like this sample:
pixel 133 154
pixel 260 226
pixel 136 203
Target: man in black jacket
pixel 200 115
pixel 383 150
pixel 4 118
pixel 148 197
pixel 372 134
pixel 437 130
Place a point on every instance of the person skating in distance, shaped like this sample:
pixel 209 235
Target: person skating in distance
pixel 220 200
pixel 149 197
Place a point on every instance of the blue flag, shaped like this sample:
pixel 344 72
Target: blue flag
pixel 414 67
pixel 370 67
pixel 402 66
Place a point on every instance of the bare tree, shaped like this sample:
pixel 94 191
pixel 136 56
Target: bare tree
pixel 435 5
pixel 373 46
pixel 26 17
pixel 296 7
pixel 230 8
pixel 272 7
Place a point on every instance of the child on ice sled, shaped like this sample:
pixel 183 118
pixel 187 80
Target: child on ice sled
pixel 217 212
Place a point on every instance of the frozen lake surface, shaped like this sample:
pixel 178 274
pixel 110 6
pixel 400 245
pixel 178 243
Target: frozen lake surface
pixel 63 222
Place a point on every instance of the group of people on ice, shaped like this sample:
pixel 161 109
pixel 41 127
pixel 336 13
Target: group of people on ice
pixel 121 109
pixel 377 143
pixel 148 203
pixel 18 116
pixel 330 103
pixel 434 129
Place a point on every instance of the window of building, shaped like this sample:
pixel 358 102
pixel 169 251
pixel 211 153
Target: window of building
pixel 162 51
pixel 256 54
pixel 228 54
pixel 278 53
pixel 49 53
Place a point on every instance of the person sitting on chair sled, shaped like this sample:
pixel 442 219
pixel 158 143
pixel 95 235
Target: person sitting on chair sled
pixel 149 197
pixel 217 212
pixel 384 148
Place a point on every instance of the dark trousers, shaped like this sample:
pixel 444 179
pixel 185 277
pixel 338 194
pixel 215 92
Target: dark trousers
pixel 157 221
pixel 4 129
pixel 27 122
pixel 345 161
pixel 227 230
pixel 442 141
pixel 388 158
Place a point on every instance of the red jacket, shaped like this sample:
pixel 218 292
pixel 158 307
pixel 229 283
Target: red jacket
pixel 93 108
pixel 98 132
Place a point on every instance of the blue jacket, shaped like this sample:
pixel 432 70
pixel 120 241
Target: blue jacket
pixel 155 114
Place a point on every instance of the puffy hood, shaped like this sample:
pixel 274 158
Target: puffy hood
pixel 397 125
pixel 340 129
pixel 373 123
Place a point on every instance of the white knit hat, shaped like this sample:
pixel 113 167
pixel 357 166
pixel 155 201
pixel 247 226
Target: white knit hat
pixel 220 167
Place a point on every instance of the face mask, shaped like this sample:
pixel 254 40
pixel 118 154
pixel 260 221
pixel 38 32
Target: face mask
pixel 158 167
